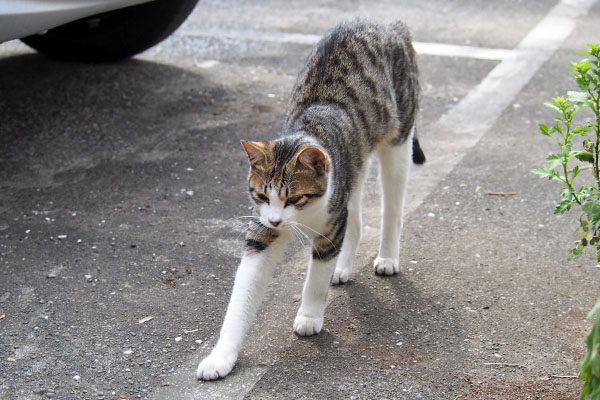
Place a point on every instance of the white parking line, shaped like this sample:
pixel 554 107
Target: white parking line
pixel 464 124
pixel 457 132
pixel 431 49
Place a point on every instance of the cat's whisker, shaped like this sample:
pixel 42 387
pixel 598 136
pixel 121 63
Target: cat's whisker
pixel 312 230
pixel 302 235
pixel 298 235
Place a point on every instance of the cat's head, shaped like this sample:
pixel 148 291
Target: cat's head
pixel 288 178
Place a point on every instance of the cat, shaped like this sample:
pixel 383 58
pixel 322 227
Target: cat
pixel 357 95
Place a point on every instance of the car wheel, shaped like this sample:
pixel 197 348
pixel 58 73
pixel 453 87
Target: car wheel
pixel 113 35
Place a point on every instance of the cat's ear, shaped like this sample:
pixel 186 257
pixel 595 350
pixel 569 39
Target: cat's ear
pixel 315 159
pixel 255 151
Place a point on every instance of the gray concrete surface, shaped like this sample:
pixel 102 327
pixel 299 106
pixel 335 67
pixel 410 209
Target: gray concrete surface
pixel 121 184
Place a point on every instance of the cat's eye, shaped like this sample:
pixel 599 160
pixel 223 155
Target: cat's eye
pixel 262 198
pixel 293 200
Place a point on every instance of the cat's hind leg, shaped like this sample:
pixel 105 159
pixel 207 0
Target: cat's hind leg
pixel 343 268
pixel 394 170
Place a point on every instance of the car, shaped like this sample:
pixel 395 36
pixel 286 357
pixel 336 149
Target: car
pixel 91 30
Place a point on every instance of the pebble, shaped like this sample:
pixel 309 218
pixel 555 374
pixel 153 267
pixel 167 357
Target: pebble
pixel 76 378
pixel 178 339
pixel 62 237
pixel 88 278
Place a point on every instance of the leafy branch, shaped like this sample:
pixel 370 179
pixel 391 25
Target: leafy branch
pixel 585 196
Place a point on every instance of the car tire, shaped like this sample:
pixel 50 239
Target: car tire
pixel 113 35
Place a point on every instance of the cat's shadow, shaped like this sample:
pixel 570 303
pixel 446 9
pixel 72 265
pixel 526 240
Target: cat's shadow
pixel 391 318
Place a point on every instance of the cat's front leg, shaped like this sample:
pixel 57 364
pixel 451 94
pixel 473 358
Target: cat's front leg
pixel 309 320
pixel 251 281
pixel 343 268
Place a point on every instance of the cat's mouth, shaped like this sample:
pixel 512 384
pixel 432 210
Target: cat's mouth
pixel 277 226
pixel 273 224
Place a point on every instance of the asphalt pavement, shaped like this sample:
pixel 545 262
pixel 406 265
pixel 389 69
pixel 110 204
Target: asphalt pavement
pixel 122 186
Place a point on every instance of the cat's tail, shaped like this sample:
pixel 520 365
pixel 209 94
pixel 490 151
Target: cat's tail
pixel 418 156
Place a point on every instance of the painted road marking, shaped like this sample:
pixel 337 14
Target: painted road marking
pixel 465 123
pixel 460 129
pixel 431 49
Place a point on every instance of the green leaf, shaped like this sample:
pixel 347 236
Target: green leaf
pixel 580 98
pixel 575 252
pixel 592 212
pixel 581 130
pixel 584 156
pixel 563 206
pixel 575 172
pixel 542 172
pixel 554 107
pixel 553 161
pixel 583 194
pixel 594 310
pixel 544 130
pixel 549 173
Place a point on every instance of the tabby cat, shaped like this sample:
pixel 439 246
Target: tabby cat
pixel 357 95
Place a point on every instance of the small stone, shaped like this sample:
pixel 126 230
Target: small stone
pixel 62 237
pixel 88 278
pixel 178 339
pixel 128 352
pixel 198 342
pixel 76 378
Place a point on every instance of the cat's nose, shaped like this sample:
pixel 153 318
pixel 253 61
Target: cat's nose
pixel 275 222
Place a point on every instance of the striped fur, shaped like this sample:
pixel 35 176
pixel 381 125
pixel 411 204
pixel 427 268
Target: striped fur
pixel 358 90
pixel 356 95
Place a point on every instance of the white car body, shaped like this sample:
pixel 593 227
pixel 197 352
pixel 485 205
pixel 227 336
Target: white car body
pixel 21 18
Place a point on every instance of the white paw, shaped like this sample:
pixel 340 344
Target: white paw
pixel 386 266
pixel 215 366
pixel 307 326
pixel 340 276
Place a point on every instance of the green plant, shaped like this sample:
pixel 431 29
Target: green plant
pixel 566 166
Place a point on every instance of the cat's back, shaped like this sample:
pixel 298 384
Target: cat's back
pixel 361 66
